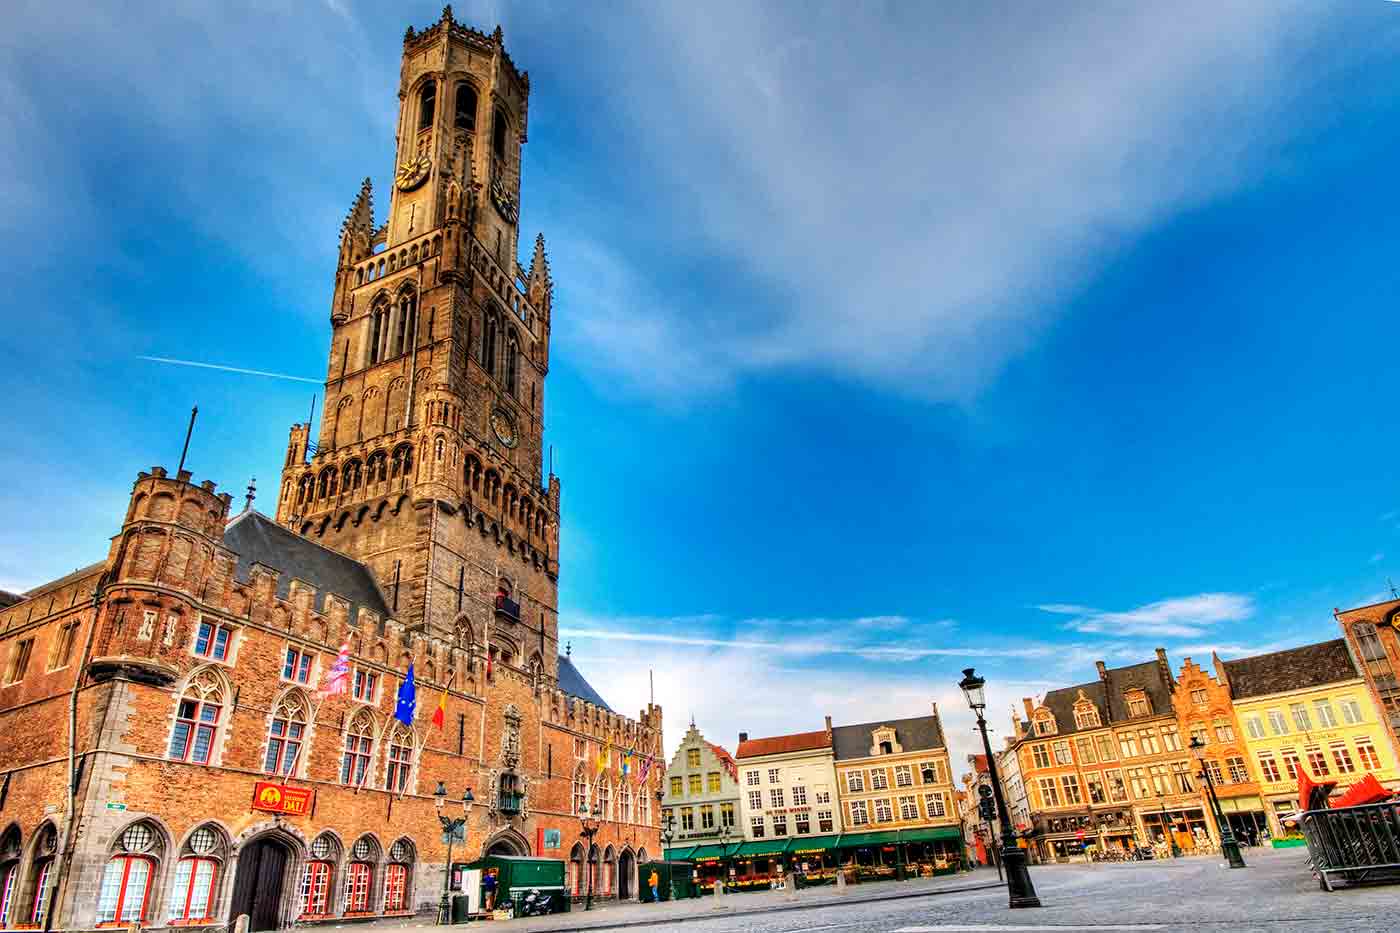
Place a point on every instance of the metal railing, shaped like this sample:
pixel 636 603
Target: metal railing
pixel 1355 844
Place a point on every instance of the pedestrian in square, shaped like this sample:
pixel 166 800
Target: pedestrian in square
pixel 653 880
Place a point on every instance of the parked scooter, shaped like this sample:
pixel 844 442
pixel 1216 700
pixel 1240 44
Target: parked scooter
pixel 534 904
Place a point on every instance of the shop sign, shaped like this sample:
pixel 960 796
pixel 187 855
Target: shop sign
pixel 279 798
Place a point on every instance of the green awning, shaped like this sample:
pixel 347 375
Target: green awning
pixel 812 845
pixel 679 855
pixel 930 834
pixel 761 847
pixel 711 851
pixel 864 840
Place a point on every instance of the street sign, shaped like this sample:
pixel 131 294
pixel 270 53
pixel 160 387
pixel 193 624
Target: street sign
pixel 115 806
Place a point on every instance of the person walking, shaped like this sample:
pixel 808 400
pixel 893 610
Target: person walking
pixel 488 886
pixel 653 880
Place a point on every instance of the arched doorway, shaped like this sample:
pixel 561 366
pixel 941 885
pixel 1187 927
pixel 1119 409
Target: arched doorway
pixel 507 843
pixel 626 875
pixel 258 886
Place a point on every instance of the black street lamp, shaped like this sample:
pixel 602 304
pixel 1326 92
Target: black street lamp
pixel 450 828
pixel 1018 877
pixel 590 829
pixel 668 832
pixel 1167 833
pixel 1228 845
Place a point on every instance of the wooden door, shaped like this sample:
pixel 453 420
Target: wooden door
pixel 257 890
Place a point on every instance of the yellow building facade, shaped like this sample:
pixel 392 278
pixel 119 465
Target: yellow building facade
pixel 1308 708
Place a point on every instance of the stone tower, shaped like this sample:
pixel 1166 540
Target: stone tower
pixel 427 463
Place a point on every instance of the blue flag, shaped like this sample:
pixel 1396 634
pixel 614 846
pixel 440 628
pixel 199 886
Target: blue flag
pixel 408 699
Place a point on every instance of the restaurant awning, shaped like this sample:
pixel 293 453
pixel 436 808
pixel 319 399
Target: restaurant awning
pixel 813 845
pixel 930 834
pixel 711 852
pixel 761 847
pixel 680 854
pixel 866 840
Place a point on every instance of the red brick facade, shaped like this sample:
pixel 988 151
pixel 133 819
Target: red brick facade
pixel 169 678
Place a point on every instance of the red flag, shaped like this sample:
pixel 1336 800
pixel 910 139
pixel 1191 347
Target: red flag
pixel 440 713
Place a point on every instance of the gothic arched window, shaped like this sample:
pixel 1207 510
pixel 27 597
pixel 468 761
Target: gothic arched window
pixel 318 875
pixel 400 761
pixel 498 135
pixel 512 365
pixel 580 790
pixel 427 103
pixel 465 109
pixel 285 734
pixel 376 332
pixel 488 343
pixel 359 874
pixel 40 879
pixel 10 848
pixel 197 718
pixel 407 303
pixel 359 741
pixel 193 892
pixel 125 891
pixel 403 461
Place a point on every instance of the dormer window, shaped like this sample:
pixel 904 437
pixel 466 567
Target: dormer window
pixel 1086 717
pixel 1044 723
pixel 1138 704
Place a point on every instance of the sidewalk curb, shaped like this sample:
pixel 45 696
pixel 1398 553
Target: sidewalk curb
pixel 777 908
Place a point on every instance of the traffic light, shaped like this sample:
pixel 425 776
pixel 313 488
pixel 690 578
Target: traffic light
pixel 987 809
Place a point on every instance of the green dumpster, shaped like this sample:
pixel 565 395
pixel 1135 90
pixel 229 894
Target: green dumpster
pixel 517 875
pixel 675 880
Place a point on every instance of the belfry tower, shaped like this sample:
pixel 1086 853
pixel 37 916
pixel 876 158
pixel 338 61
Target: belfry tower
pixel 427 464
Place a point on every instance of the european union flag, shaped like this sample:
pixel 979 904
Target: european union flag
pixel 408 699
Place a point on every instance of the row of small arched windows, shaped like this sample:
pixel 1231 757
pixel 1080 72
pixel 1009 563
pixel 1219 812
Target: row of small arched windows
pixel 517 508
pixel 464 110
pixel 347 479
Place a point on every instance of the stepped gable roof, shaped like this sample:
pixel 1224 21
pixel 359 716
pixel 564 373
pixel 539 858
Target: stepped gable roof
pixel 781 744
pixel 255 538
pixel 1327 662
pixel 916 734
pixel 574 684
pixel 725 759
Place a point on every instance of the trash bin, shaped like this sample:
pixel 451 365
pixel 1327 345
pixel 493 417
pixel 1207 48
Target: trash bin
pixel 461 909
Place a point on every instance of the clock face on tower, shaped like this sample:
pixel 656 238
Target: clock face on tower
pixel 503 427
pixel 504 201
pixel 413 173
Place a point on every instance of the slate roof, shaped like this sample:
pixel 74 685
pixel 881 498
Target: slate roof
pixel 1327 662
pixel 780 744
pixel 255 538
pixel 9 599
pixel 917 734
pixel 574 684
pixel 1147 675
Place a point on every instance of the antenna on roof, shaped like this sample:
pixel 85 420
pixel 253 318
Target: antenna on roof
pixel 251 495
pixel 1390 583
pixel 568 649
pixel 651 681
pixel 188 431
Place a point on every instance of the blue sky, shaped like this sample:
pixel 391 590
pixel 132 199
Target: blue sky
pixel 889 339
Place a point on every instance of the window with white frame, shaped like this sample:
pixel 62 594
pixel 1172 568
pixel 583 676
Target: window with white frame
pixel 883 811
pixel 1040 754
pixel 1301 720
pixel 1063 755
pixel 879 779
pixel 1325 717
pixel 821 794
pixel 775 797
pixel 799 796
pixel 855 781
pixel 751 778
pixel 1239 774
pixel 903 776
pixel 908 808
pixel 1254 727
pixel 1171 738
pixel 860 813
pixel 1049 792
pixel 1277 723
pixel 755 800
pixel 824 821
pixel 756 826
pixel 780 824
pixel 1224 730
pixel 1086 717
pixel 802 823
pixel 935 804
pixel 1268 767
pixel 285 734
pixel 1367 753
pixel 1342 757
pixel 773 774
pixel 197 719
pixel 1351 710
pixel 1070 783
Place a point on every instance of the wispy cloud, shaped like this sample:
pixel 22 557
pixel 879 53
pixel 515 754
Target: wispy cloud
pixel 982 206
pixel 1182 617
pixel 228 369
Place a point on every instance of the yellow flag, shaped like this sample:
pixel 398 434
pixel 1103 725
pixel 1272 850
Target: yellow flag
pixel 603 756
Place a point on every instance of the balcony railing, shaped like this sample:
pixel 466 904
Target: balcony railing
pixel 510 804
pixel 505 606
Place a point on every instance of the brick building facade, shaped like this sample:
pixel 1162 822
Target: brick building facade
pixel 146 697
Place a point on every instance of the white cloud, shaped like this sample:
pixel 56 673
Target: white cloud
pixel 1186 616
pixel 908 201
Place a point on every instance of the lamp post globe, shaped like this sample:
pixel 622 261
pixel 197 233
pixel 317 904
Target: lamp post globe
pixel 1020 890
pixel 1229 846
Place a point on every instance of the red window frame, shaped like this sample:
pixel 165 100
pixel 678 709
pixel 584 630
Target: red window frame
pixel 364 686
pixel 357 886
pixel 190 724
pixel 194 863
pixel 354 765
pixel 316 889
pixel 400 761
pixel 36 909
pixel 297 665
pixel 213 641
pixel 284 739
pixel 122 892
pixel 395 886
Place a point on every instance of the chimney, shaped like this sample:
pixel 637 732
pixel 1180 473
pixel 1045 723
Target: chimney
pixel 934 704
pixel 1030 707
pixel 743 737
pixel 1165 668
pixel 1103 671
pixel 828 725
